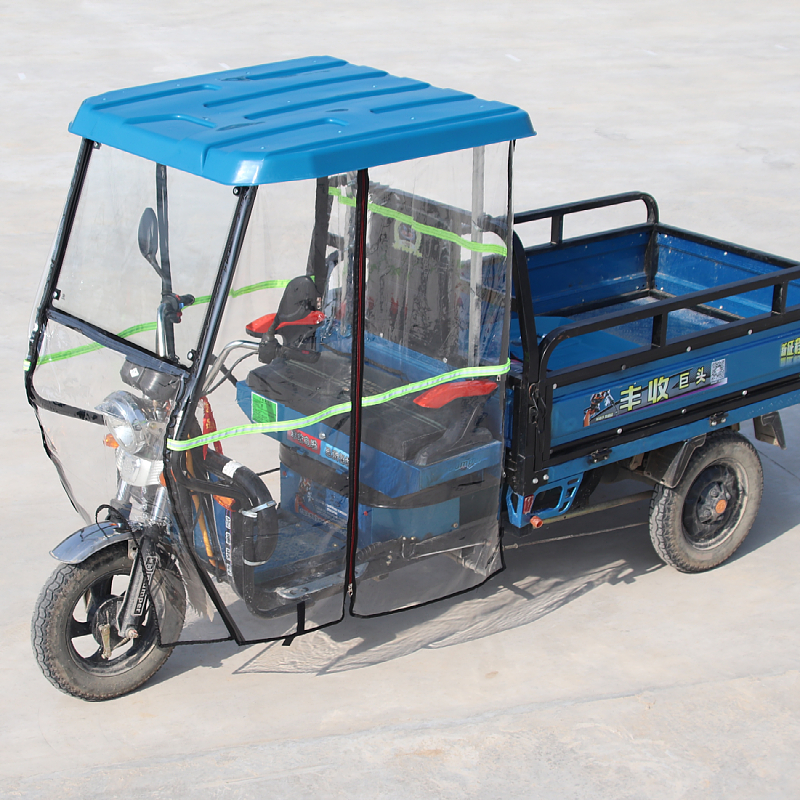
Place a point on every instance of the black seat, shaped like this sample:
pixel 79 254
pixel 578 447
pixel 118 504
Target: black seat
pixel 400 428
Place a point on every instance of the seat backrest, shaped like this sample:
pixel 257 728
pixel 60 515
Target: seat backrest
pixel 413 274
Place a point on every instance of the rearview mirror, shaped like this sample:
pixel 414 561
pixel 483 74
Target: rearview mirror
pixel 148 237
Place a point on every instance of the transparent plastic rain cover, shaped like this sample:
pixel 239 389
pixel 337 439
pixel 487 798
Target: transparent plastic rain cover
pixel 264 507
pixel 435 360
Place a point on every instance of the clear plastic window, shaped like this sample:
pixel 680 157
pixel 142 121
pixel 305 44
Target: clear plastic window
pixel 107 281
pixel 282 410
pixel 432 447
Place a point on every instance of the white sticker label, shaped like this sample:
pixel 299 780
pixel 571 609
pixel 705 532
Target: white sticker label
pixel 230 468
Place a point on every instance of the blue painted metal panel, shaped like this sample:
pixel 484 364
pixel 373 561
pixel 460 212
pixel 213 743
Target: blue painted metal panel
pixel 652 389
pixel 561 475
pixel 573 275
pixel 680 434
pixel 685 266
pixel 304 118
pixel 571 352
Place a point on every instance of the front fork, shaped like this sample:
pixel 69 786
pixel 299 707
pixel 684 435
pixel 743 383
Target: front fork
pixel 142 551
pixel 135 605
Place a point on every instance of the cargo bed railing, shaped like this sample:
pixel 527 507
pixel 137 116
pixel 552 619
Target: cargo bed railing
pixel 522 289
pixel 659 348
pixel 531 455
pixel 557 213
pixel 659 312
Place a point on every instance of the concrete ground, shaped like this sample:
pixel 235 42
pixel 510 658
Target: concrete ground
pixel 587 669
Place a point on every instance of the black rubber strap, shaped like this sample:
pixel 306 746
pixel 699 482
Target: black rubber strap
pixel 317 267
pixel 301 624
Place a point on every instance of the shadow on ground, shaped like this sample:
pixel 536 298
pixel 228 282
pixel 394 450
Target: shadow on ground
pixel 540 577
pixel 544 572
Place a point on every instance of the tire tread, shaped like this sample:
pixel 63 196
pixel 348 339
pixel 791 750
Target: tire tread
pixel 666 503
pixel 56 590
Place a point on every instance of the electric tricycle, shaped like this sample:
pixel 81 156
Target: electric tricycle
pixel 292 362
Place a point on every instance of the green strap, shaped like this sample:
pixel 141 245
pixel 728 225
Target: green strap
pixel 383 211
pixel 89 348
pixel 151 326
pixel 253 287
pixel 341 408
pixel 429 230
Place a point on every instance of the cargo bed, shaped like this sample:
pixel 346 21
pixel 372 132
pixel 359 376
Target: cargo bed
pixel 639 337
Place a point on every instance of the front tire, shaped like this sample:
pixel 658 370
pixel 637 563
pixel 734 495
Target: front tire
pixel 705 518
pixel 65 632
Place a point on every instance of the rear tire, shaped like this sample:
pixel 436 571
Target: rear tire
pixel 705 518
pixel 64 628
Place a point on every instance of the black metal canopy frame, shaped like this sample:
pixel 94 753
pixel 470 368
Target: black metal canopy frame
pixel 179 480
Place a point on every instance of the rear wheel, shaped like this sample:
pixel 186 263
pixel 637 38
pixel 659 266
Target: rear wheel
pixel 703 520
pixel 74 634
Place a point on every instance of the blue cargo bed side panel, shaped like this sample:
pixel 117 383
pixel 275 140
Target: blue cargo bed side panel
pixel 614 400
pixel 686 266
pixel 571 352
pixel 585 272
pixel 292 120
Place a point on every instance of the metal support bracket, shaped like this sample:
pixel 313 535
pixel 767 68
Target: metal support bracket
pixel 769 428
pixel 667 464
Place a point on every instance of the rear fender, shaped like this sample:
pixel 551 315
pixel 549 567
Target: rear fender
pixel 78 546
pixel 667 464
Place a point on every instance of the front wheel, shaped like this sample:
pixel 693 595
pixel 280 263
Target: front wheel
pixel 703 520
pixel 74 633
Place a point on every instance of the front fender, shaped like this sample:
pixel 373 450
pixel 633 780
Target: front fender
pixel 78 546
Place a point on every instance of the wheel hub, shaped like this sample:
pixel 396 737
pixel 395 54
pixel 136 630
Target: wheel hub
pixel 104 626
pixel 711 506
pixel 713 502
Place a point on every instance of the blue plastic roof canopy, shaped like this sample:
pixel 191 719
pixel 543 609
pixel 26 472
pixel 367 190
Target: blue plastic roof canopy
pixel 304 118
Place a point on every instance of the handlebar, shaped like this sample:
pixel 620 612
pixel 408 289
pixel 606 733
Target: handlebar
pixel 220 360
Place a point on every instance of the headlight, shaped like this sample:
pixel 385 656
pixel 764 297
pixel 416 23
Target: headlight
pixel 131 426
pixel 138 471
